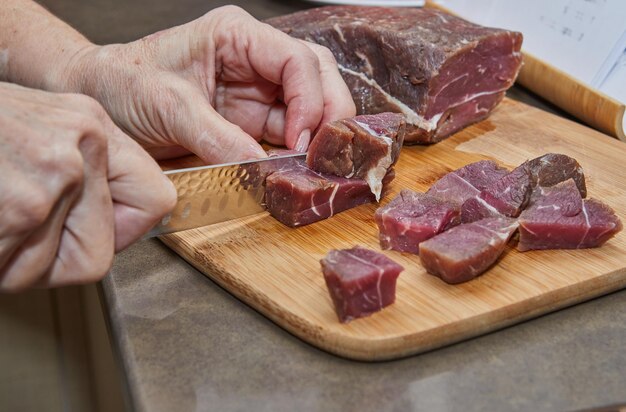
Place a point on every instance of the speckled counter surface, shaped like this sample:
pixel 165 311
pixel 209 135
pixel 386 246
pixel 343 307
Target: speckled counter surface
pixel 188 345
pixel 185 344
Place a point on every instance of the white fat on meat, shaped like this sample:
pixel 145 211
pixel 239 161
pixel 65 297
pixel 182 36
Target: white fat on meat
pixel 410 114
pixel 376 174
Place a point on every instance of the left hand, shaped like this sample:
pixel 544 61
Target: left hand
pixel 215 87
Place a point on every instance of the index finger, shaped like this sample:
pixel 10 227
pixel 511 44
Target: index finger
pixel 285 61
pixel 338 103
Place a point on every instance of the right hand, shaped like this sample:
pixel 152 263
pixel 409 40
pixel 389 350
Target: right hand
pixel 74 189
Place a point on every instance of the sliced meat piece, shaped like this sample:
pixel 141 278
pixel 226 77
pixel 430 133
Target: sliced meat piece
pixel 360 281
pixel 365 147
pixel 442 72
pixel 507 196
pixel 299 196
pixel 467 182
pixel 466 251
pixel 257 172
pixel 476 208
pixel 411 218
pixel 559 218
pixel 553 168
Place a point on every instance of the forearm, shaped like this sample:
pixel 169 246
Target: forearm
pixel 36 47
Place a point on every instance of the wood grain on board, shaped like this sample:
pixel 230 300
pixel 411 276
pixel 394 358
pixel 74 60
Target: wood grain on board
pixel 276 270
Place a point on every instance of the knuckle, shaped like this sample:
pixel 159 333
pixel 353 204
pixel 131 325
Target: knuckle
pixel 308 54
pixel 325 55
pixel 35 210
pixel 231 10
pixel 69 168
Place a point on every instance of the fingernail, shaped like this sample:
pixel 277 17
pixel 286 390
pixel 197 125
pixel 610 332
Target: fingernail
pixel 303 141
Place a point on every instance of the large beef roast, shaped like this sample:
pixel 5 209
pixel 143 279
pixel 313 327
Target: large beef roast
pixel 442 72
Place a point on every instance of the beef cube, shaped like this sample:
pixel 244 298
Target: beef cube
pixel 553 168
pixel 559 218
pixel 467 182
pixel 365 147
pixel 476 208
pixel 411 218
pixel 360 281
pixel 466 251
pixel 442 72
pixel 507 196
pixel 300 196
pixel 257 172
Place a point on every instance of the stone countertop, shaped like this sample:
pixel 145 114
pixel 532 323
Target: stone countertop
pixel 185 344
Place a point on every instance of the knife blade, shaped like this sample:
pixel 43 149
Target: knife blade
pixel 218 193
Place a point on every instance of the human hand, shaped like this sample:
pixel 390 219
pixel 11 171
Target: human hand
pixel 74 189
pixel 215 86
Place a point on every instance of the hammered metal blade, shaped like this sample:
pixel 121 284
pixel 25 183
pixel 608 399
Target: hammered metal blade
pixel 213 194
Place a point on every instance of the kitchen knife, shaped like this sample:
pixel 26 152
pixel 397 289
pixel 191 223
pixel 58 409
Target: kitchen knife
pixel 217 193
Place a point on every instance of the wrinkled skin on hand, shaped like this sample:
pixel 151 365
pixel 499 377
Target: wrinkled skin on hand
pixel 215 87
pixel 74 189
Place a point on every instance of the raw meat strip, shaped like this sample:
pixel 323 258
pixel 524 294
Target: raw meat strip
pixel 411 218
pixel 442 72
pixel 465 251
pixel 559 218
pixel 299 196
pixel 553 168
pixel 364 147
pixel 360 281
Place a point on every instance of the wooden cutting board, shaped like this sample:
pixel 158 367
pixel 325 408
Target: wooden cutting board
pixel 276 270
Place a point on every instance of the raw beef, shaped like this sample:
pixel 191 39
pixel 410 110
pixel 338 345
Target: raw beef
pixel 443 73
pixel 507 196
pixel 553 168
pixel 298 196
pixel 559 218
pixel 360 281
pixel 364 147
pixel 411 218
pixel 465 251
pixel 256 172
pixel 467 182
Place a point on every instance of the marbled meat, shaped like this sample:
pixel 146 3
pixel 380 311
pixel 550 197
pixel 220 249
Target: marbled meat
pixel 297 195
pixel 553 168
pixel 467 182
pixel 365 147
pixel 411 217
pixel 442 72
pixel 507 196
pixel 360 281
pixel 466 251
pixel 559 218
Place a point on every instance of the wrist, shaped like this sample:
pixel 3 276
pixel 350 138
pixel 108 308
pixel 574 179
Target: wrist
pixel 70 74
